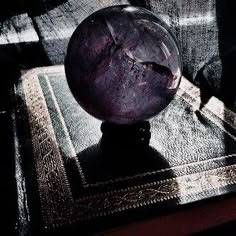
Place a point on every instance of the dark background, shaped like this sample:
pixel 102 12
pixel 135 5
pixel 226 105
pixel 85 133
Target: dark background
pixel 36 33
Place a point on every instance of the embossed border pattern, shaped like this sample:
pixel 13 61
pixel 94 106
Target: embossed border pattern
pixel 57 204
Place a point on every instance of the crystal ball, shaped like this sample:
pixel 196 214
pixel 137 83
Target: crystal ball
pixel 123 64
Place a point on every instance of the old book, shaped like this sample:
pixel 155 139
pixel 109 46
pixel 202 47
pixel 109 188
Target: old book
pixel 65 182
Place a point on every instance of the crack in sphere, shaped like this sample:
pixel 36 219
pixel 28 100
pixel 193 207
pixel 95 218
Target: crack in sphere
pixel 123 64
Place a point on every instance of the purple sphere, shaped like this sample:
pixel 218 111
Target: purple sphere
pixel 123 64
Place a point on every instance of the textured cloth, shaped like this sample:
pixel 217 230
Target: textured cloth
pixel 203 27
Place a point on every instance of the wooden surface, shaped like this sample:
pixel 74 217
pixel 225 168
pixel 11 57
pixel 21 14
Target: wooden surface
pixel 195 220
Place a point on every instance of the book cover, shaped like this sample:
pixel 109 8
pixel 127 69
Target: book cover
pixel 65 180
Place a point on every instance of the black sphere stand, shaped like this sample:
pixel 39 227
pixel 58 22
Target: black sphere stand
pixel 134 136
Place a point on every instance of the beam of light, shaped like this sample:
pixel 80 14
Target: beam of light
pixel 18 29
pixel 197 20
pixel 60 24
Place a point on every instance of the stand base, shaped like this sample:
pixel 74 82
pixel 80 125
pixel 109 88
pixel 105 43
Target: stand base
pixel 137 135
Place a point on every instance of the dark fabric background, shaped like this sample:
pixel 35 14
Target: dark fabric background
pixel 36 33
pixel 204 29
